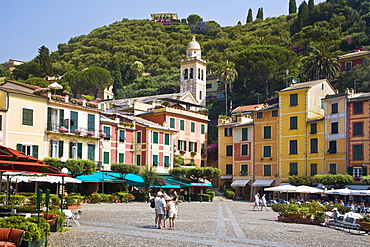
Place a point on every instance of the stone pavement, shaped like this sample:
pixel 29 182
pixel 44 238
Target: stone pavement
pixel 219 223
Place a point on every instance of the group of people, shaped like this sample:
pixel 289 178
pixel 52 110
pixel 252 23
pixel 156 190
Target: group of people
pixel 260 202
pixel 165 207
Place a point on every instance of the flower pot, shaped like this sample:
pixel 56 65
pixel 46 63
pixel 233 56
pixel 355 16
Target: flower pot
pixel 281 218
pixel 32 243
pixel 76 206
pixel 291 218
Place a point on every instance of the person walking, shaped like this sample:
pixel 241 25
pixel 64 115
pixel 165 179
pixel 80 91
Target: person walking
pixel 256 201
pixel 264 202
pixel 172 212
pixel 160 209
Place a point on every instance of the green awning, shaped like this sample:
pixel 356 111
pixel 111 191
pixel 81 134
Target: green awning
pixel 113 177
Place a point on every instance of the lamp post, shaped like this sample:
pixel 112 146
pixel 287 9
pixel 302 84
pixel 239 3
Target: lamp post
pixel 354 84
pixel 65 170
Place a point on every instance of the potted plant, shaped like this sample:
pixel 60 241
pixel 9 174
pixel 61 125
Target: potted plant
pixel 319 218
pixel 78 132
pixel 102 135
pixel 90 133
pixel 364 222
pixel 279 208
pixel 291 213
pixel 63 129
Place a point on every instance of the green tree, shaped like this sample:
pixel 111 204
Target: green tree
pixel 361 72
pixel 138 68
pixel 260 14
pixel 26 70
pixel 311 6
pixel 299 180
pixel 37 81
pixel 337 181
pixel 125 169
pixel 193 19
pixel 303 15
pixel 149 175
pixel 228 76
pixel 76 167
pixel 261 63
pixel 320 63
pixel 365 179
pixel 292 7
pixel 249 16
pixel 43 58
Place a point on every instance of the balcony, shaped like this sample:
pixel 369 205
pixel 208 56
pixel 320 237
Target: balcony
pixel 180 110
pixel 80 131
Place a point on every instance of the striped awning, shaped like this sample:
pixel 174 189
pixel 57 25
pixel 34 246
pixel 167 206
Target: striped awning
pixel 240 182
pixel 263 182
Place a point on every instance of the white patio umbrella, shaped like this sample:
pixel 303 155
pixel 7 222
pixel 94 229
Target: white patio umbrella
pixel 55 86
pixel 283 188
pixel 360 192
pixel 308 189
pixel 344 192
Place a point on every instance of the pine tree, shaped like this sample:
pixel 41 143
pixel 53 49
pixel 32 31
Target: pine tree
pixel 260 14
pixel 303 15
pixel 43 58
pixel 249 16
pixel 311 6
pixel 292 7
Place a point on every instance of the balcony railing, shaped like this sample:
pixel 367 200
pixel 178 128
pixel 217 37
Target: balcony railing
pixel 73 130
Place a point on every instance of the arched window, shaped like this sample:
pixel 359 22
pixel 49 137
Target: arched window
pixel 200 95
pixel 186 74
pixel 191 73
pixel 202 75
pixel 198 73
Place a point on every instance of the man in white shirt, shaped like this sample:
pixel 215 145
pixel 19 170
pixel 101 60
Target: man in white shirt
pixel 160 209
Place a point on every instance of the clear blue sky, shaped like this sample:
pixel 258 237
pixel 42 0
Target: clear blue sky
pixel 29 24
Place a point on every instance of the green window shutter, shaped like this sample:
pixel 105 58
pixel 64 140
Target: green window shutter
pixel 155 160
pixel 48 125
pixel 350 170
pixel 27 117
pixel 138 160
pixel 244 134
pixel 106 158
pixel 121 158
pixel 266 170
pixel 166 139
pixel 293 123
pixel 202 128
pixel 73 122
pixel 61 118
pixel 19 147
pixel 293 169
pixel 166 161
pixel 172 123
pixel 267 151
pixel 244 149
pixel 91 122
pixel 138 135
pixel 79 150
pixel 364 171
pixel 106 130
pixel 91 152
pixel 357 152
pixel 192 127
pixel 60 148
pixel 35 151
pixel 182 124
pixel 266 132
pixel 293 99
pixel 71 150
pixel 155 137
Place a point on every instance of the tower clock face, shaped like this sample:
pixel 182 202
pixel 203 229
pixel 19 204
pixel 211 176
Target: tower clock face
pixel 189 53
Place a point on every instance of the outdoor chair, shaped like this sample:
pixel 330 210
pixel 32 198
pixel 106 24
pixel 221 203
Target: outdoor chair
pixel 71 216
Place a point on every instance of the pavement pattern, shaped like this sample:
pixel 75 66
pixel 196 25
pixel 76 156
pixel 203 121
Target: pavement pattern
pixel 219 223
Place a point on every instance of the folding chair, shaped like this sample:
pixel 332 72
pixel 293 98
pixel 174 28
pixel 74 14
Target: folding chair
pixel 71 216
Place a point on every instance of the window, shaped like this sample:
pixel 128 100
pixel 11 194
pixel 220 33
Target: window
pixel 333 168
pixel 202 163
pixel 358 129
pixel 121 158
pixel 334 108
pixel 348 67
pixel 90 122
pixel 56 149
pixel 106 158
pixel 293 123
pixel 357 152
pixel 106 130
pixel 91 152
pixel 357 107
pixel 192 127
pixel 155 137
pixel 193 147
pixel 334 128
pixel 357 171
pixel 244 149
pixel 259 114
pixel 229 169
pixel 202 129
pixel 266 170
pixel 138 160
pixel 293 147
pixel 275 113
pixel 138 137
pixel 199 73
pixel 75 150
pixel 27 117
pixel 313 169
pixel 191 73
pixel 244 170
pixel 229 150
pixel 167 161
pixel 155 160
pixel 314 145
pixel 313 128
pixel 267 132
pixel 332 147
pixel 266 151
pixel 73 122
pixel 293 99
pixel 30 150
pixel 208 85
pixel 122 136
pixel 244 134
pixel 228 132
pixel 172 123
pixel 322 104
pixel 166 139
pixel 181 145
pixel 182 124
pixel 186 72
pixel 1 122
pixel 293 169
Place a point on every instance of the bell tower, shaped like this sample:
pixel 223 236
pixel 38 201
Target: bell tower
pixel 193 72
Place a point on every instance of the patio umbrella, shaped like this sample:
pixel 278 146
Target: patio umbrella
pixel 360 192
pixel 344 192
pixel 308 189
pixel 55 86
pixel 283 188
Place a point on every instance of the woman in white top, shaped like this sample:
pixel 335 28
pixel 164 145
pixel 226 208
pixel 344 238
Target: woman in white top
pixel 172 212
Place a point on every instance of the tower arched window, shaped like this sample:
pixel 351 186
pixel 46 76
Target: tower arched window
pixel 202 75
pixel 200 95
pixel 191 73
pixel 199 73
pixel 186 74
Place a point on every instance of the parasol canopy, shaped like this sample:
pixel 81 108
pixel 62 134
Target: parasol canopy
pixel 14 161
pixel 283 188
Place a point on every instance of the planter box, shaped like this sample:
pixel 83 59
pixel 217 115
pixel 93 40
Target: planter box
pixel 364 225
pixel 315 222
pixel 304 221
pixel 56 226
pixel 281 218
pixel 291 218
pixel 33 243
pixel 78 206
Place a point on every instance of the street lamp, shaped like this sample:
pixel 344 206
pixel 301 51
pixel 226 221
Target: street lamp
pixel 64 170
pixel 354 84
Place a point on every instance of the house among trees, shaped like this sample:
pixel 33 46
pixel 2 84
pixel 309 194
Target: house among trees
pixel 165 18
pixel 350 60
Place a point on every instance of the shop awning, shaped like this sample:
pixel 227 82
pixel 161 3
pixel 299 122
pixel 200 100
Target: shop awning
pixel 357 186
pixel 200 184
pixel 240 182
pixel 226 177
pixel 172 182
pixel 113 177
pixel 263 182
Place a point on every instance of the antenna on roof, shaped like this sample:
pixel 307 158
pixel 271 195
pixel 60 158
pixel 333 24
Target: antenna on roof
pixel 294 80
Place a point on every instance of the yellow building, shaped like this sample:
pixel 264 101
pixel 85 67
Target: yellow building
pixel 300 104
pixel 335 134
pixel 22 117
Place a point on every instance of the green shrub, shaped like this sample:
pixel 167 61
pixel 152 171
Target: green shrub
pixel 140 196
pixel 278 208
pixel 54 199
pixel 33 231
pixel 229 194
pixel 211 193
pixel 2 199
pixel 73 199
pixel 16 200
pixel 61 216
